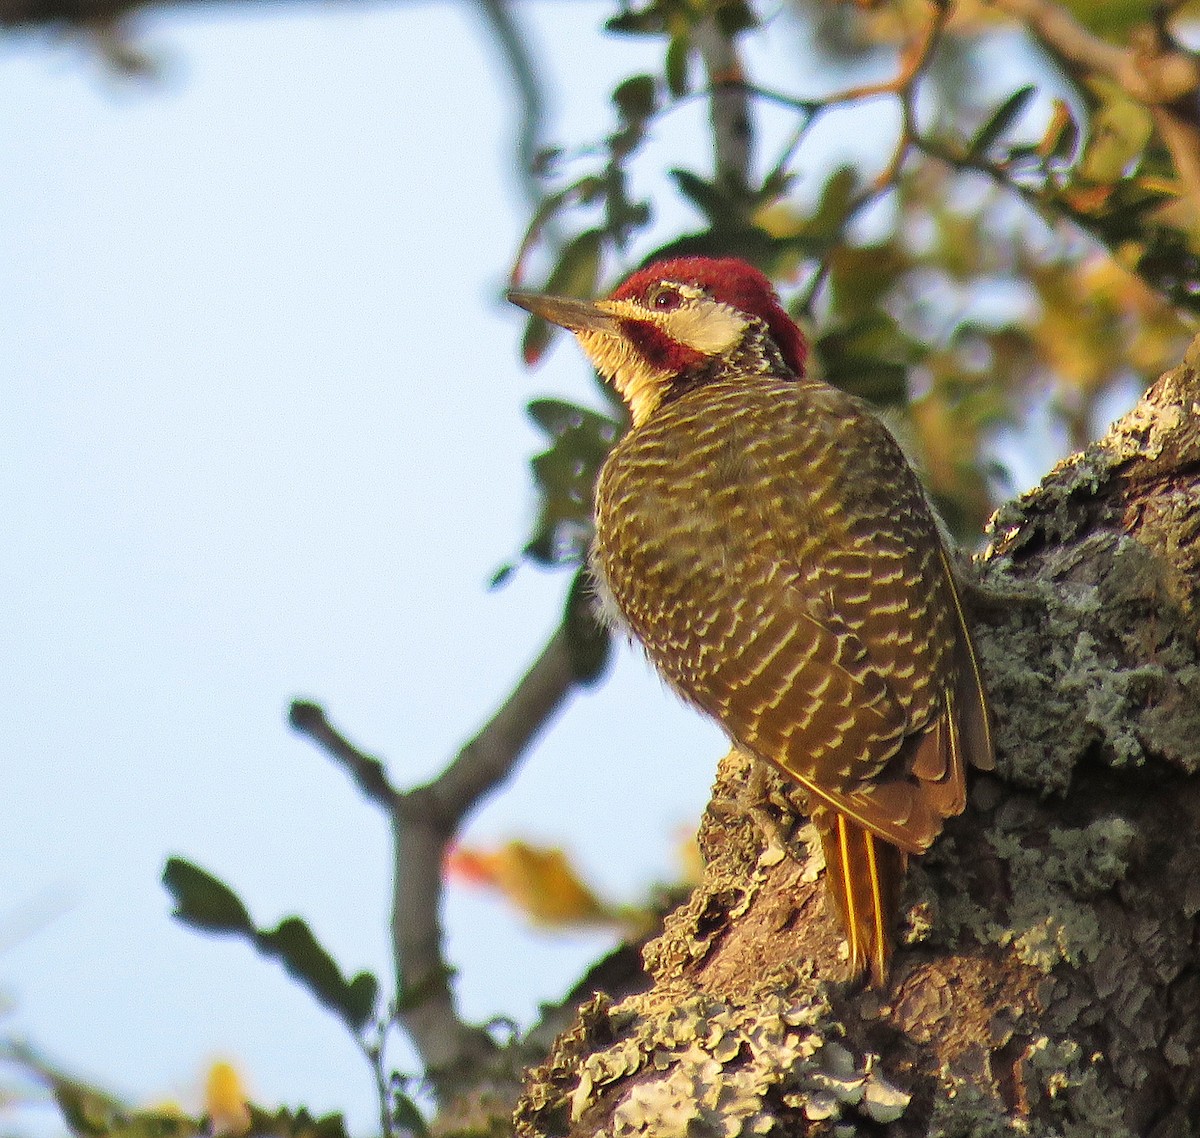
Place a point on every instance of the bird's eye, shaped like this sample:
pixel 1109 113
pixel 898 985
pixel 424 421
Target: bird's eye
pixel 664 298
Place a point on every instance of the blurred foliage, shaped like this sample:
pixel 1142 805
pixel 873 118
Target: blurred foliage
pixel 90 1111
pixel 545 886
pixel 539 881
pixel 1024 242
pixel 205 902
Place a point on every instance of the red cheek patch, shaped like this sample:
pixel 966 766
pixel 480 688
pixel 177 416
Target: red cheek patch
pixel 658 349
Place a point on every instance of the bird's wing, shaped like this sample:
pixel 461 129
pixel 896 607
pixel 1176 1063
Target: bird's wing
pixel 806 698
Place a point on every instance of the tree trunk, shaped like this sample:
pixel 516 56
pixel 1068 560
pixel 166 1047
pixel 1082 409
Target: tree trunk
pixel 1048 979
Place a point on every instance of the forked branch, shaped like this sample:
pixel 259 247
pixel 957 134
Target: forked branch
pixel 424 821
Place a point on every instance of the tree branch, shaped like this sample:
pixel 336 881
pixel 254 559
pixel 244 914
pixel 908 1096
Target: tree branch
pixel 733 130
pixel 424 821
pixel 309 719
pixel 498 17
pixel 1152 70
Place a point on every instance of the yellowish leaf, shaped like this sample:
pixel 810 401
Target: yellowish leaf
pixel 225 1099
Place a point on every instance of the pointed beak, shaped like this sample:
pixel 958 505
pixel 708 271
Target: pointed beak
pixel 566 312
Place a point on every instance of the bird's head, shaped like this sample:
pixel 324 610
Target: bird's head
pixel 677 325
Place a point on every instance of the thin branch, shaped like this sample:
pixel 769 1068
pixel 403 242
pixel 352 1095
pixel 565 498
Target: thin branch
pixel 310 719
pixel 489 758
pixel 915 60
pixel 498 15
pixel 1153 70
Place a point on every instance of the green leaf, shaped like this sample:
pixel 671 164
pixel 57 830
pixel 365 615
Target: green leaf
pixel 502 575
pixel 648 21
pixel 734 17
pixel 362 996
pixel 748 242
pixel 1002 118
pixel 205 901
pixel 285 1123
pixel 589 641
pixel 868 357
pixel 292 943
pixel 406 1116
pixel 679 49
pixel 705 196
pixel 88 1112
pixel 574 275
pixel 636 98
pixel 829 217
pixel 565 475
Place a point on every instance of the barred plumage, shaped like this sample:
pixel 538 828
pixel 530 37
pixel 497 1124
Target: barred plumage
pixel 766 541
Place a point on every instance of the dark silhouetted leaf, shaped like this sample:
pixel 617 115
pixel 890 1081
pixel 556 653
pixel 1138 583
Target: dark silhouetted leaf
pixel 406 1116
pixel 705 196
pixel 565 474
pixel 574 275
pixel 362 996
pixel 830 215
pixel 88 1112
pixel 292 943
pixel 285 1123
pixel 502 575
pixel 636 98
pixel 205 901
pixel 734 17
pixel 770 253
pixel 868 358
pixel 679 48
pixel 589 640
pixel 647 21
pixel 1002 118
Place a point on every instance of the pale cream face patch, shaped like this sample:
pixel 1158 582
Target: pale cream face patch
pixel 706 325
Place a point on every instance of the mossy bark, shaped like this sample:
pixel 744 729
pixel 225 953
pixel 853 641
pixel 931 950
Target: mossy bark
pixel 1048 981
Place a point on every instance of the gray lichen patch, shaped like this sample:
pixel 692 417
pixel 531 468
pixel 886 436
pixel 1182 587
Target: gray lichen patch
pixel 1061 1093
pixel 723 1069
pixel 1097 664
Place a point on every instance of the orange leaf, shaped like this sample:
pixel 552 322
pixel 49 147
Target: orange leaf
pixel 538 880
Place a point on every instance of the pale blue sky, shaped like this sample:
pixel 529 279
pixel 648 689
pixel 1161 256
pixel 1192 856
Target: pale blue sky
pixel 264 437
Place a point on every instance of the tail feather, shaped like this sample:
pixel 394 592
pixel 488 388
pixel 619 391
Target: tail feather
pixel 864 874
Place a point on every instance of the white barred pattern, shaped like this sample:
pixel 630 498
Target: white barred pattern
pixel 771 548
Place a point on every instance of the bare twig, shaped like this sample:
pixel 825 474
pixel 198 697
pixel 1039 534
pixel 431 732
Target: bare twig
pixel 424 820
pixel 500 19
pixel 915 59
pixel 309 719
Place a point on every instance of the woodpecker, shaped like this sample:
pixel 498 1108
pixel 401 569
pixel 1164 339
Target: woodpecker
pixel 762 535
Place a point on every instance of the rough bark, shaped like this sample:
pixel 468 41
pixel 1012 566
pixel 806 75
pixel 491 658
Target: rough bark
pixel 1049 979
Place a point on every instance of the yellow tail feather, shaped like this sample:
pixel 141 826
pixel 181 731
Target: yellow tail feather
pixel 864 875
